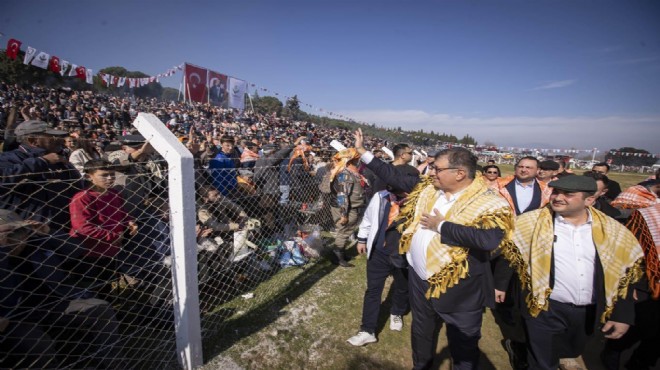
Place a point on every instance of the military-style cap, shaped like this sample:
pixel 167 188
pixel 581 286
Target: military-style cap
pixel 574 183
pixel 549 165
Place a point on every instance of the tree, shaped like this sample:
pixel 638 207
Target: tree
pixel 629 156
pixel 267 105
pixel 292 108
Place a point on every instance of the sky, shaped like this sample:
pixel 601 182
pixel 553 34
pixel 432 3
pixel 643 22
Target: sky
pixel 535 74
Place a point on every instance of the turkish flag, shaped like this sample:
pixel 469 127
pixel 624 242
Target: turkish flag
pixel 13 46
pixel 54 64
pixel 81 72
pixel 195 82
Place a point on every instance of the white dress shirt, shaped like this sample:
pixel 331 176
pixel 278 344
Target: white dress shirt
pixel 524 194
pixel 419 244
pixel 575 259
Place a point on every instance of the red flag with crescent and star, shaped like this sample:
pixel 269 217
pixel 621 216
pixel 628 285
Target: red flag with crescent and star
pixel 81 72
pixel 13 46
pixel 195 82
pixel 54 64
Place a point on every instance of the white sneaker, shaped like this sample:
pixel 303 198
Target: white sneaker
pixel 396 322
pixel 362 338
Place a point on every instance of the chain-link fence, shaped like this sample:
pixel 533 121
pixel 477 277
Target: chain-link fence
pixel 86 260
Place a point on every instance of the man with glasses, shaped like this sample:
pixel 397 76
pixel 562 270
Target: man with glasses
pixel 451 223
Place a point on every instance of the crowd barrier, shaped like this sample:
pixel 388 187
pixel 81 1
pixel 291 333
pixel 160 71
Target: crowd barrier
pixel 144 285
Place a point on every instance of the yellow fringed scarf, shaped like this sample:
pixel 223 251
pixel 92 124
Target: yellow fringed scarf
pixel 530 254
pixel 479 206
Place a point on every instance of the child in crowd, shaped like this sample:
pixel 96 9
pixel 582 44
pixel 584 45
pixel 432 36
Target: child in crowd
pixel 99 219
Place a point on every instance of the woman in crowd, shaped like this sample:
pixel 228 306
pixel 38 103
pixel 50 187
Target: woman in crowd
pixel 491 174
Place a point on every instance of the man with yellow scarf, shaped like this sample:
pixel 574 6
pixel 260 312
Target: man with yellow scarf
pixel 575 265
pixel 453 220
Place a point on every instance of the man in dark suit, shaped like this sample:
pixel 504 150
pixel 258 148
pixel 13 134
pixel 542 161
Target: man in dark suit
pixel 452 222
pixel 524 192
pixel 575 265
pixel 613 187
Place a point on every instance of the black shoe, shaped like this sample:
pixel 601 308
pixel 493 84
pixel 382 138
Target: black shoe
pixel 517 354
pixel 344 263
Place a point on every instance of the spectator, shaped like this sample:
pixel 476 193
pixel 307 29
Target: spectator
pixel 98 218
pixel 346 187
pixel 86 149
pixel 222 167
pixel 491 173
pixel 37 303
pixel 37 180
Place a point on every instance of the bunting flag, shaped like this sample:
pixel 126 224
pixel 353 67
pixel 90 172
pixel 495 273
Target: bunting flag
pixel 105 78
pixel 54 64
pixel 89 76
pixel 121 81
pixel 13 47
pixel 29 55
pixel 73 72
pixel 81 73
pixel 64 65
pixel 131 83
pixel 41 60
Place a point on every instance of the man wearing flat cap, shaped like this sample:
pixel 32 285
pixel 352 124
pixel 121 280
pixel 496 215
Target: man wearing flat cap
pixel 547 171
pixel 575 266
pixel 37 181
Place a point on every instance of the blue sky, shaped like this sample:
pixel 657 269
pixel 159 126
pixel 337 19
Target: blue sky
pixel 544 74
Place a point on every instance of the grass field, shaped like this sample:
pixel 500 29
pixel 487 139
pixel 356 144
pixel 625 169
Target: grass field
pixel 302 318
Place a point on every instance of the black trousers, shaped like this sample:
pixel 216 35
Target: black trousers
pixel 560 332
pixel 379 267
pixel 463 329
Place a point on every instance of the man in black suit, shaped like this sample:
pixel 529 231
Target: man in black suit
pixel 452 222
pixel 613 187
pixel 576 266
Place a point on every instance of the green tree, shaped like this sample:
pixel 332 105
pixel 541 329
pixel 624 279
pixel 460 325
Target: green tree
pixel 292 108
pixel 629 156
pixel 267 105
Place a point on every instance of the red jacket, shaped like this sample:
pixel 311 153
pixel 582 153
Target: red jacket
pixel 100 220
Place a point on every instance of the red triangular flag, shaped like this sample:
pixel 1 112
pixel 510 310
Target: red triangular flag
pixel 13 46
pixel 81 72
pixel 54 64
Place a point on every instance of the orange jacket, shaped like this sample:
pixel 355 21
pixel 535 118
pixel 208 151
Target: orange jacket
pixel 504 181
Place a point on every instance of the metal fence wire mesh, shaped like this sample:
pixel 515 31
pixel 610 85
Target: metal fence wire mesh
pixel 85 272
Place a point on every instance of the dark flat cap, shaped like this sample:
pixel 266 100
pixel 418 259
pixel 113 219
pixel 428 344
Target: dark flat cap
pixel 549 165
pixel 34 127
pixel 574 183
pixel 132 140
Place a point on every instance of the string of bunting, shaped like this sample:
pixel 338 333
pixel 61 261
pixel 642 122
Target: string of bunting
pixel 45 60
pixel 53 63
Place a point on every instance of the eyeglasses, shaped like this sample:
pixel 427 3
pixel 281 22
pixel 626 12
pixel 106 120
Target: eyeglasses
pixel 432 167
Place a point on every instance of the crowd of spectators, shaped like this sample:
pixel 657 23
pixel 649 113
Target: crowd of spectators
pixel 75 170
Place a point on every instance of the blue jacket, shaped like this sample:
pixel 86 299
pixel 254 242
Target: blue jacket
pixel 223 173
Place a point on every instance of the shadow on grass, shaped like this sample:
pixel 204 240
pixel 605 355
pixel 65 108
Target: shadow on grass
pixel 361 362
pixel 223 332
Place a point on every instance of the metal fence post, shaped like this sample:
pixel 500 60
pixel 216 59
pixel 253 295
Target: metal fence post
pixel 181 187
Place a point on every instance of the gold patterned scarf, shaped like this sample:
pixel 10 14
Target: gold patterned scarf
pixel 479 206
pixel 530 254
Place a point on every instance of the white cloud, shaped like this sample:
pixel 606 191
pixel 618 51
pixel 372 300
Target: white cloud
pixel 555 84
pixel 559 132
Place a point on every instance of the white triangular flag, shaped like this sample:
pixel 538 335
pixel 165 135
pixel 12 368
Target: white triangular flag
pixel 63 66
pixel 89 76
pixel 121 81
pixel 72 71
pixel 29 54
pixel 41 60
